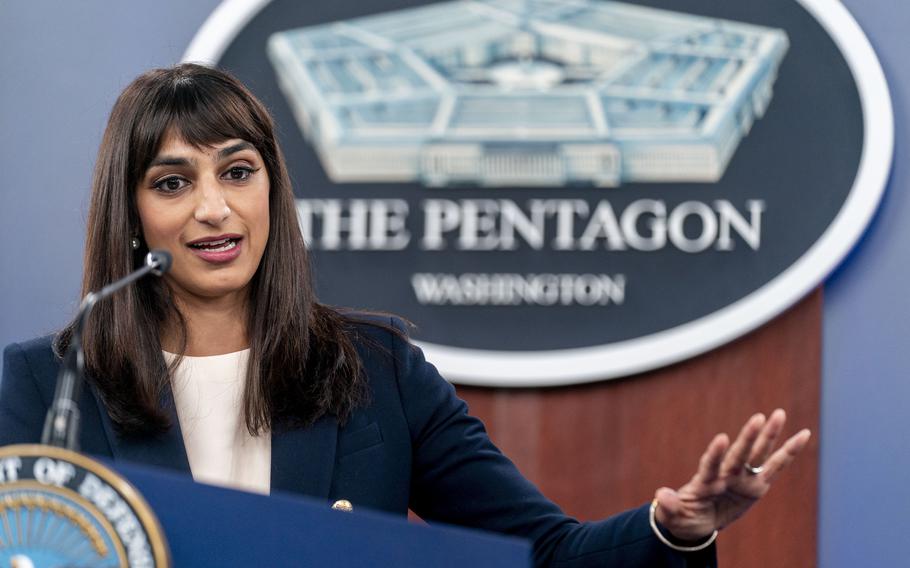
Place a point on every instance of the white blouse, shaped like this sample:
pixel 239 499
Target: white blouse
pixel 208 393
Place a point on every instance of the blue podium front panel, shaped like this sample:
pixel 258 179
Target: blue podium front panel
pixel 212 526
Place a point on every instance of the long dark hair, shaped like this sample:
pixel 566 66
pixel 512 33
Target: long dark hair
pixel 302 362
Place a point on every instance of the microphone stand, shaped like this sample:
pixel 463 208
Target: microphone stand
pixel 61 426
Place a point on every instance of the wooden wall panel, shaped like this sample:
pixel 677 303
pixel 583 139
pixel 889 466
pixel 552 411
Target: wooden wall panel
pixel 603 447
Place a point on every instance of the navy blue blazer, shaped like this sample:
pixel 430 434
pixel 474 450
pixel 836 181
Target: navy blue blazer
pixel 414 445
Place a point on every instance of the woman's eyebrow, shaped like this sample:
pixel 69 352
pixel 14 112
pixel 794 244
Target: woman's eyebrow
pixel 223 153
pixel 234 148
pixel 169 161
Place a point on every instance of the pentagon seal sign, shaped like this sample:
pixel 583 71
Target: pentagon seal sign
pixel 561 191
pixel 59 508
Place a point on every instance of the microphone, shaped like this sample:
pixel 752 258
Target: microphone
pixel 159 261
pixel 61 426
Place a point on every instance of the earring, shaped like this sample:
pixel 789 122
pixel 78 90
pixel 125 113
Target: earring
pixel 134 243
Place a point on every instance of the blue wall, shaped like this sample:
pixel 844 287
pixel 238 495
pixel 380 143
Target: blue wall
pixel 63 64
pixel 865 447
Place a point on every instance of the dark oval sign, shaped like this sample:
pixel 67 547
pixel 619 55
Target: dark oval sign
pixel 564 192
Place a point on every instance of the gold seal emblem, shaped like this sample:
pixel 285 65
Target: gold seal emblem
pixel 60 508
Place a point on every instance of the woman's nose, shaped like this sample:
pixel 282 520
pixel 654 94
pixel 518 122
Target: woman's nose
pixel 212 207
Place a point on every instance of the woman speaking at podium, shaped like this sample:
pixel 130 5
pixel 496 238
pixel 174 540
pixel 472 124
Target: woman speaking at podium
pixel 229 367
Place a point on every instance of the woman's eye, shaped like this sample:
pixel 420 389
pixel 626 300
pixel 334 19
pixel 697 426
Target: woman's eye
pixel 171 184
pixel 239 173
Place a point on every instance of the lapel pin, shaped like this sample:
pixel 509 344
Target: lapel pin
pixel 343 505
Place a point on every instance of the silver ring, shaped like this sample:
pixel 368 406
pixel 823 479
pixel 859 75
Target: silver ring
pixel 754 470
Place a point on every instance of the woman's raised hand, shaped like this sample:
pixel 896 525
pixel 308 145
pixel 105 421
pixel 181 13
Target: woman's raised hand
pixel 730 478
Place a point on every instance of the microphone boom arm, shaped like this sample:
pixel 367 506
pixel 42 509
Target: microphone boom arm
pixel 61 426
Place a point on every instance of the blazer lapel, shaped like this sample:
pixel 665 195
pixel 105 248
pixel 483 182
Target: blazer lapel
pixel 164 450
pixel 303 459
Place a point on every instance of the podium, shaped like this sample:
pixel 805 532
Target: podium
pixel 212 526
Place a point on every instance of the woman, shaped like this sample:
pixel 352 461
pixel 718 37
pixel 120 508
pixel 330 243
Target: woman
pixel 231 369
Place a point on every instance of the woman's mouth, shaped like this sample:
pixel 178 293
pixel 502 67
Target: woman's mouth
pixel 220 249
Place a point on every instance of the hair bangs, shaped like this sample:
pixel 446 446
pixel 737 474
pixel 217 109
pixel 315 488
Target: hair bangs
pixel 203 116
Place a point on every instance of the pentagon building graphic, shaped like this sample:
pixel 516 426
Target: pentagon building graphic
pixel 527 92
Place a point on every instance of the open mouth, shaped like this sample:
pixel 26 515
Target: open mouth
pixel 215 245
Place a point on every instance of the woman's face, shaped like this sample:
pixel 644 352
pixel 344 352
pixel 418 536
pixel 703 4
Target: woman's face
pixel 209 207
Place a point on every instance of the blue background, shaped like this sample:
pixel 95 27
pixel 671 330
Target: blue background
pixel 63 64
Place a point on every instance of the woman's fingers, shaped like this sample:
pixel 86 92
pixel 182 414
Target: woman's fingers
pixel 720 491
pixel 709 464
pixel 669 505
pixel 741 449
pixel 767 438
pixel 785 454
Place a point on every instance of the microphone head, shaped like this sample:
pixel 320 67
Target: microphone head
pixel 159 260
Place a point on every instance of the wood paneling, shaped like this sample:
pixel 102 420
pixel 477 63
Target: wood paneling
pixel 599 448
